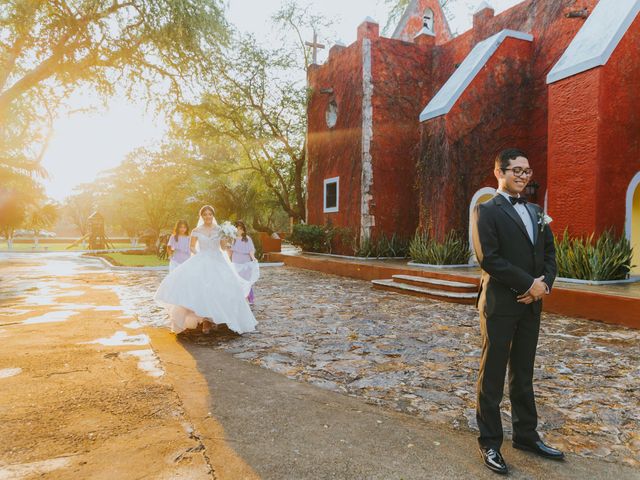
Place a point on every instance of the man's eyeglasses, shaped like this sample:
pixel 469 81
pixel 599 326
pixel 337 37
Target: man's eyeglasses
pixel 519 171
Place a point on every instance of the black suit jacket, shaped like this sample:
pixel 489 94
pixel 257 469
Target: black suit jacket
pixel 509 260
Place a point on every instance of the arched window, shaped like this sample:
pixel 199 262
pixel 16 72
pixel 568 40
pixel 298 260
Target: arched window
pixel 331 115
pixel 428 20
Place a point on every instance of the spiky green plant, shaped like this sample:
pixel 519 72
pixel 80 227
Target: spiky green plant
pixel 454 250
pixel 608 258
pixel 382 246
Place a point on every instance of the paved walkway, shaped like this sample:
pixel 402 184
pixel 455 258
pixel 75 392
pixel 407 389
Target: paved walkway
pixel 420 357
pixel 186 410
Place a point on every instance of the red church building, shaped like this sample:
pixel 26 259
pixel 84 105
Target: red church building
pixel 402 131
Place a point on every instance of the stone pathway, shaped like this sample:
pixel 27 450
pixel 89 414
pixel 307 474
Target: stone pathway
pixel 420 357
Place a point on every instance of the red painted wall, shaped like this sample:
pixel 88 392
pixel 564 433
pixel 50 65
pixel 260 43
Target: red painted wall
pixel 492 113
pixel 594 142
pixel 335 152
pixel 552 33
pixel 619 139
pixel 401 80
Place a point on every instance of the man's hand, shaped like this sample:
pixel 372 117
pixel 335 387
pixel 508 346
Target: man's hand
pixel 535 293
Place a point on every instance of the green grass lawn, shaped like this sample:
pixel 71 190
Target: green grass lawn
pixel 51 247
pixel 121 259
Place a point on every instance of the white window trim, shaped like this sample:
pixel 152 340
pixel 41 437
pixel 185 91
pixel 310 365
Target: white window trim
pixel 335 180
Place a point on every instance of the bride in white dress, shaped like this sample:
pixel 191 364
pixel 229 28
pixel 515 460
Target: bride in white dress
pixel 206 288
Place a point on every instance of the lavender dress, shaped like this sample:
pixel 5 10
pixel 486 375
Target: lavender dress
pixel 181 251
pixel 241 258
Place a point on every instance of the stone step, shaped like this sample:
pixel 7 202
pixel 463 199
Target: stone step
pixel 436 283
pixel 433 293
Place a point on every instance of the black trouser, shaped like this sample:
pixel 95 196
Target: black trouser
pixel 512 340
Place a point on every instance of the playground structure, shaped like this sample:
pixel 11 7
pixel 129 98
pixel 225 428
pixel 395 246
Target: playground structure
pixel 96 236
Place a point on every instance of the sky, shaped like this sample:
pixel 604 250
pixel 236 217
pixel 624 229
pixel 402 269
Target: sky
pixel 85 144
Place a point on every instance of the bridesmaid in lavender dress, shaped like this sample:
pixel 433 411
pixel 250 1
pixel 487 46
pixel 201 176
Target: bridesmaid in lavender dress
pixel 178 245
pixel 243 258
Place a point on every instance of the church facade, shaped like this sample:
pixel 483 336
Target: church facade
pixel 402 131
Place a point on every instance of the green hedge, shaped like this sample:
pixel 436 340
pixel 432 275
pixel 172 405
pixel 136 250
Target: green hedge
pixel 312 238
pixel 608 258
pixel 454 250
pixel 320 239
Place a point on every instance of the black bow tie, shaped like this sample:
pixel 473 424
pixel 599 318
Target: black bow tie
pixel 515 200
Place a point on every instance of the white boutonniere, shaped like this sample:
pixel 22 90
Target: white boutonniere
pixel 544 220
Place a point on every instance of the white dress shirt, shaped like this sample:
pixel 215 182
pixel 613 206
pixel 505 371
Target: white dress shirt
pixel 523 211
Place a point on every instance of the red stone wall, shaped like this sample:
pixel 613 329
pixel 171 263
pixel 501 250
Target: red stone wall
pixel 333 152
pixel 552 33
pixel 401 86
pixel 619 138
pixel 594 141
pixel 458 149
pixel 573 151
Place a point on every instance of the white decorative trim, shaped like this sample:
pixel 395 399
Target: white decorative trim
pixel 326 182
pixel 451 91
pixel 424 31
pixel 597 39
pixel 628 224
pixel 597 282
pixel 474 200
pixel 367 221
pixel 352 257
pixel 433 265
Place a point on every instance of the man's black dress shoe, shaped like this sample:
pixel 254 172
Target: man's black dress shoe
pixel 493 460
pixel 539 448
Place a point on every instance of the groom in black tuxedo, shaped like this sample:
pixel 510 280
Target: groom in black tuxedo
pixel 514 246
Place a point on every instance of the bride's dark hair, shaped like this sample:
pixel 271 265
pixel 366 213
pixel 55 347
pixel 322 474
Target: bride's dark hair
pixel 206 207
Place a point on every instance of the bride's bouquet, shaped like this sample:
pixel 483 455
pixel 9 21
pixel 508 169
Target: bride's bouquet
pixel 229 232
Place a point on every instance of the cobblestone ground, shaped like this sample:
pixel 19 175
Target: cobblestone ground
pixel 421 357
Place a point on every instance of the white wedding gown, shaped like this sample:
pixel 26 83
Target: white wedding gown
pixel 206 286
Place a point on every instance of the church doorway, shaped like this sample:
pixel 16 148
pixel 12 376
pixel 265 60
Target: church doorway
pixel 481 196
pixel 632 226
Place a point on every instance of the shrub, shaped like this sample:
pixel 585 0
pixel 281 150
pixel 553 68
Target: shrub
pixel 312 238
pixel 382 246
pixel 453 251
pixel 608 258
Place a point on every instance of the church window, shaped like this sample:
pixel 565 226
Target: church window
pixel 331 114
pixel 331 194
pixel 427 20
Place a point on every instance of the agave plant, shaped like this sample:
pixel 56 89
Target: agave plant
pixel 382 246
pixel 608 258
pixel 454 250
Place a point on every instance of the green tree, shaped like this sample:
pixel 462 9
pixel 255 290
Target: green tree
pixel 257 103
pixel 150 190
pixel 79 206
pixel 41 217
pixel 48 48
pixel 18 195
